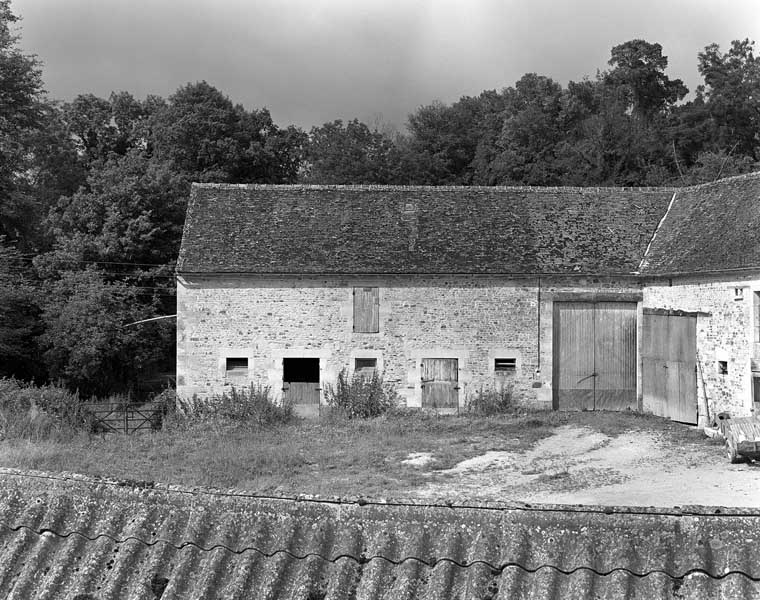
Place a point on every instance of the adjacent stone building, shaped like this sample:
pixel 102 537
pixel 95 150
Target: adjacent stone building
pixel 560 294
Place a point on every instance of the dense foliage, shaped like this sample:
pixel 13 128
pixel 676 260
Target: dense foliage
pixel 93 191
pixel 360 397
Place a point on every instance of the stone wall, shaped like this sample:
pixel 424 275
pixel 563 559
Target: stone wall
pixel 474 319
pixel 725 326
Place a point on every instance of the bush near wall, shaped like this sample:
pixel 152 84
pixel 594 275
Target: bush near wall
pixel 360 396
pixel 487 402
pixel 252 405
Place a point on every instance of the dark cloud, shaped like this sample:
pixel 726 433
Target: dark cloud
pixel 311 61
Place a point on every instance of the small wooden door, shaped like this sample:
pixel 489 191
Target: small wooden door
pixel 440 388
pixel 595 355
pixel 669 357
pixel 300 385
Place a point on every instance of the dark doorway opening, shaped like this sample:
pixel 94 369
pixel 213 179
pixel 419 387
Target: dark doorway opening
pixel 300 385
pixel 302 370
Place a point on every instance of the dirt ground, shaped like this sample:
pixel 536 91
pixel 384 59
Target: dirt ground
pixel 578 465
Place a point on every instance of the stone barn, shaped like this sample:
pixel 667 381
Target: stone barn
pixel 574 298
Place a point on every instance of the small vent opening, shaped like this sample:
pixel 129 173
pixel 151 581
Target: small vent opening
pixel 505 365
pixel 237 366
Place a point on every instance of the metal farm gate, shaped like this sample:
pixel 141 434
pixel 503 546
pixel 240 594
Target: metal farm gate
pixel 669 370
pixel 594 362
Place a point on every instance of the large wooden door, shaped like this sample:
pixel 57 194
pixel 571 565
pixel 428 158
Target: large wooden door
pixel 594 355
pixel 669 362
pixel 615 356
pixel 440 388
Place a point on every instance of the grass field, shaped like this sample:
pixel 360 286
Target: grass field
pixel 332 457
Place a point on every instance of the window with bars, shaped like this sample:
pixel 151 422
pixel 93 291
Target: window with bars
pixel 504 366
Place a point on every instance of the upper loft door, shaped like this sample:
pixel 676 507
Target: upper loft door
pixel 594 356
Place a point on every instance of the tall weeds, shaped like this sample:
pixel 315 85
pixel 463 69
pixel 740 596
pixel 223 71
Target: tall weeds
pixel 360 397
pixel 487 402
pixel 253 405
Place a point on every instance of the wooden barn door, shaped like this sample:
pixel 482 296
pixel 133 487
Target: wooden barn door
pixel 669 357
pixel 615 356
pixel 440 388
pixel 594 355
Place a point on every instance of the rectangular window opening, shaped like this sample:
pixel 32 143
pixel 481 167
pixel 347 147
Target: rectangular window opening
pixel 722 367
pixel 237 366
pixel 505 365
pixel 366 310
pixel 365 367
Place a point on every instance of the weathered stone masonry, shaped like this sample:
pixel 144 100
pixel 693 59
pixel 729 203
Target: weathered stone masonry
pixel 474 319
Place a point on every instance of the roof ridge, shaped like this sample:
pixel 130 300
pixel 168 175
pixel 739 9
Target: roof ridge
pixel 439 188
pixel 451 188
pixel 741 176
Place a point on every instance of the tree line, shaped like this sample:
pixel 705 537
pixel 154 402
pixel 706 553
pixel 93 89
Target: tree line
pixel 93 191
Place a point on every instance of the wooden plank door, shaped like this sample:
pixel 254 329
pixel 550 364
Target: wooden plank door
pixel 615 356
pixel 300 385
pixel 594 356
pixel 574 355
pixel 304 396
pixel 669 357
pixel 655 373
pixel 440 388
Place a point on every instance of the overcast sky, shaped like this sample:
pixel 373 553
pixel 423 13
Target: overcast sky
pixel 312 61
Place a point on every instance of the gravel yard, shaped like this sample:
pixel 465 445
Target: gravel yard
pixel 578 465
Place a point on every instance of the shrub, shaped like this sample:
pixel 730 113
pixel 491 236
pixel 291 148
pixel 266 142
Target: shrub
pixel 491 401
pixel 252 405
pixel 39 412
pixel 360 397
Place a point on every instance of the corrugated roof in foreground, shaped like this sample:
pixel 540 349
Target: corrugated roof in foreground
pixel 68 536
pixel 398 229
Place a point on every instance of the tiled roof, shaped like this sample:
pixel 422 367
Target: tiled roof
pixel 710 227
pixel 393 229
pixel 73 537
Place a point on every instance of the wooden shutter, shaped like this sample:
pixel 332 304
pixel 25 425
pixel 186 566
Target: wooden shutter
pixel 366 310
